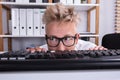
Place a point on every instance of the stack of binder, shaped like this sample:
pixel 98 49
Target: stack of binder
pixel 27 22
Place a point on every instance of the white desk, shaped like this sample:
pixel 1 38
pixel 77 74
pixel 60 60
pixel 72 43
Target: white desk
pixel 62 75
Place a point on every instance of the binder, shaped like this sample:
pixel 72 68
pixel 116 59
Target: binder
pixel 22 1
pixel 25 1
pixel 42 30
pixel 18 1
pixel 15 21
pixel 38 1
pixel 22 22
pixel 63 1
pixel 69 1
pixel 36 22
pixel 29 22
pixel 77 1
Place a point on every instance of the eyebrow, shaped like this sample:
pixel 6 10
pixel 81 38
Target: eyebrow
pixel 61 37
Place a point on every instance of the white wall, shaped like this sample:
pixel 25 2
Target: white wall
pixel 107 15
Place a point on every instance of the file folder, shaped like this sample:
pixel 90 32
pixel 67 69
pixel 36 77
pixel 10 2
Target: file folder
pixel 38 1
pixel 42 24
pixel 22 1
pixel 69 1
pixel 23 22
pixel 15 21
pixel 63 1
pixel 36 22
pixel 18 1
pixel 77 1
pixel 25 1
pixel 29 22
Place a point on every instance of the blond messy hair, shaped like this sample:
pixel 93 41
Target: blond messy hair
pixel 60 13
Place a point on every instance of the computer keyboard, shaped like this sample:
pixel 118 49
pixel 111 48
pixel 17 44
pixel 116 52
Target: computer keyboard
pixel 60 60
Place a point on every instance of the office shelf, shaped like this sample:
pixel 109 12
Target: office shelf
pixel 82 7
pixel 88 7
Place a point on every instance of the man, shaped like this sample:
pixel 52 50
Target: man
pixel 61 30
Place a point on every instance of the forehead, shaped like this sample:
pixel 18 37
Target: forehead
pixel 60 29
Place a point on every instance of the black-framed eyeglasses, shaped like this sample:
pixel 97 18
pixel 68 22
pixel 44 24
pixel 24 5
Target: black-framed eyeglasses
pixel 54 41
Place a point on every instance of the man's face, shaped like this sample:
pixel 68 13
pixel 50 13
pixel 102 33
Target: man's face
pixel 63 31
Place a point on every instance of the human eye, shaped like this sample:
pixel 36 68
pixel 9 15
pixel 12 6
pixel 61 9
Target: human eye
pixel 52 38
pixel 68 38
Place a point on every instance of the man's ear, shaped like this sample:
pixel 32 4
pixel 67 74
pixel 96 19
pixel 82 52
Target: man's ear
pixel 77 37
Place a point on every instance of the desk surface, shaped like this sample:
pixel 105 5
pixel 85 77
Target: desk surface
pixel 62 75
